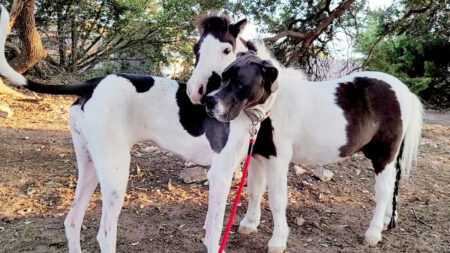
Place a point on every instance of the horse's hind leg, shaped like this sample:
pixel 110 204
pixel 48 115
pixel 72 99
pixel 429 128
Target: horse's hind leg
pixel 391 214
pixel 87 182
pixel 388 215
pixel 112 161
pixel 384 188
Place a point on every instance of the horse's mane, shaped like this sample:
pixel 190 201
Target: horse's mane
pixel 212 22
pixel 264 53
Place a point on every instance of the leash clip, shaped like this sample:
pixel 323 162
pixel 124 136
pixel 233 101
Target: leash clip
pixel 253 130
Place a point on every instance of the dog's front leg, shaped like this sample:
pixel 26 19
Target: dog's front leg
pixel 220 177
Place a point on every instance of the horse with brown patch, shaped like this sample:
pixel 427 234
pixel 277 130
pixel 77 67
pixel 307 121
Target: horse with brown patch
pixel 312 123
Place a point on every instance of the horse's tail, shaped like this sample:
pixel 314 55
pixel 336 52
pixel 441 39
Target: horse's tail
pixel 5 68
pixel 7 71
pixel 407 154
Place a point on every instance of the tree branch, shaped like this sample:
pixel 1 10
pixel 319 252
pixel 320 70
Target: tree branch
pixel 32 49
pixel 316 32
pixel 286 33
pixel 15 48
pixel 16 9
pixel 394 27
pixel 311 36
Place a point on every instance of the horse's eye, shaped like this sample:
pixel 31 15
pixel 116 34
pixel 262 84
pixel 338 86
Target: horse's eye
pixel 227 51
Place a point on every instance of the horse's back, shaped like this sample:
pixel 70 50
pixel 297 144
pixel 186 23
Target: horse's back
pixel 364 111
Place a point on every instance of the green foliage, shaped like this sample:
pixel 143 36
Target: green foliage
pixel 276 16
pixel 93 37
pixel 418 54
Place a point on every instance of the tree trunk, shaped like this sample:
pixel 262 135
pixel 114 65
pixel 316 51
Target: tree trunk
pixel 16 9
pixel 75 37
pixel 32 49
pixel 61 37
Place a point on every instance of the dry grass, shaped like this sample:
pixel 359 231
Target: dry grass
pixel 37 165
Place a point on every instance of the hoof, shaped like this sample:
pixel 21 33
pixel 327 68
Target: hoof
pixel 372 241
pixel 373 237
pixel 276 250
pixel 246 231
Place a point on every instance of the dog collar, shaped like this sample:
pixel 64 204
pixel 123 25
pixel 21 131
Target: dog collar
pixel 260 112
pixel 257 116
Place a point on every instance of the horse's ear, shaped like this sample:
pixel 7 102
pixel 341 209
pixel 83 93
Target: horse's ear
pixel 270 74
pixel 237 28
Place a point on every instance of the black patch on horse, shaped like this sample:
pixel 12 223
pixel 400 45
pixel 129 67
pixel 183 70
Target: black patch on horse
pixel 374 120
pixel 264 144
pixel 142 83
pixel 213 83
pixel 90 87
pixel 196 122
pixel 219 27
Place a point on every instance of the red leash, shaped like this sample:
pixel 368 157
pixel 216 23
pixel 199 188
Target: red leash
pixel 238 194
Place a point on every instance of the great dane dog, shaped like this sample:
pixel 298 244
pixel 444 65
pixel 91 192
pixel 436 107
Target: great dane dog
pixel 310 123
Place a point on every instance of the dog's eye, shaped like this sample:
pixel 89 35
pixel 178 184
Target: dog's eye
pixel 226 51
pixel 243 92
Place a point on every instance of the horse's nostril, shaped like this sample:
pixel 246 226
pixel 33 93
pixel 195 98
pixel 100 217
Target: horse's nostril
pixel 200 90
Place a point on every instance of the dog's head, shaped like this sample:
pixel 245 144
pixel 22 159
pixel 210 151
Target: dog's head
pixel 246 82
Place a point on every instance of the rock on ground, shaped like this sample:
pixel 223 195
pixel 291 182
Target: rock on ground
pixel 193 175
pixel 299 170
pixel 5 110
pixel 323 174
pixel 299 221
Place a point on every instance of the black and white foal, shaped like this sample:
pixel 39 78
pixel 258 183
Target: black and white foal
pixel 313 123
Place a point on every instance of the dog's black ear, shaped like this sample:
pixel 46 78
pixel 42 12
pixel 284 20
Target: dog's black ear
pixel 269 74
pixel 237 28
pixel 240 54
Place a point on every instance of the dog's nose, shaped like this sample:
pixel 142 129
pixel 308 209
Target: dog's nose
pixel 210 102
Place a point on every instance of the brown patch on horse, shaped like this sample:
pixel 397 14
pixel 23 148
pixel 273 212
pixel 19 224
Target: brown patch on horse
pixel 374 120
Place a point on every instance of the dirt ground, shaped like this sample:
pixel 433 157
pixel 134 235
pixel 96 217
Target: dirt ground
pixel 38 178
